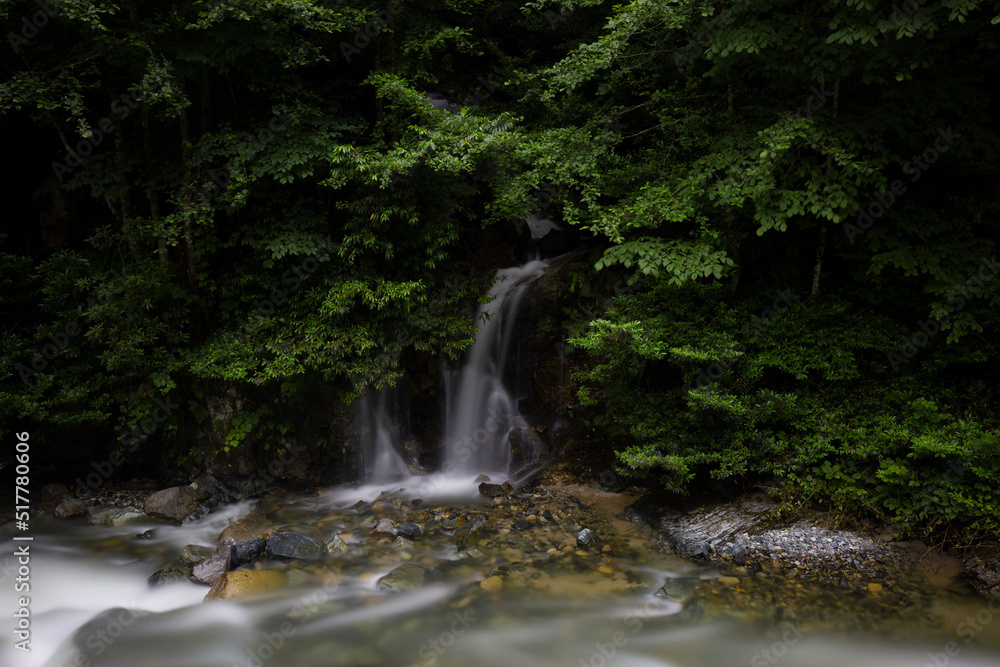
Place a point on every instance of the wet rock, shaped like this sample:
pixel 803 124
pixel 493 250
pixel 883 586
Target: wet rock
pixel 983 573
pixel 294 546
pixel 385 528
pixel 586 539
pixel 200 513
pixel 240 583
pixel 54 493
pixel 522 524
pixel 245 528
pixel 739 554
pixel 247 552
pixel 146 535
pixel 406 577
pixel 469 534
pixel 192 554
pixel 168 575
pixel 481 478
pixel 410 531
pixel 728 581
pixel 209 570
pixel 491 584
pixel 491 490
pixel 508 488
pixel 69 508
pixel 174 503
pixel 335 545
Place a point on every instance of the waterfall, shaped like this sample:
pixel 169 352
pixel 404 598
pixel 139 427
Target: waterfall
pixel 380 434
pixel 481 410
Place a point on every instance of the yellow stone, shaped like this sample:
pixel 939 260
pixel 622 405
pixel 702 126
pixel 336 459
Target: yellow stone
pixel 729 581
pixel 605 569
pixel 874 588
pixel 491 584
pixel 239 583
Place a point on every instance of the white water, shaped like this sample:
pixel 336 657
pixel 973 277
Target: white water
pixel 380 437
pixel 481 410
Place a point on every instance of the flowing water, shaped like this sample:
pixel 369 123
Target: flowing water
pixel 518 591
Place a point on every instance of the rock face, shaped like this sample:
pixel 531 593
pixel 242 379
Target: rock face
pixel 245 582
pixel 209 570
pixel 69 508
pixel 406 577
pixel 173 503
pixel 294 546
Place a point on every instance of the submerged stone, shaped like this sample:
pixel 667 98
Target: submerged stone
pixel 247 552
pixel 168 575
pixel 406 577
pixel 240 583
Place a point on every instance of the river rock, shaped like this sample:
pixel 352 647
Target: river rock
pixel 174 503
pixel 87 636
pixel 586 539
pixel 247 552
pixel 113 516
pixel 209 570
pixel 406 577
pixel 335 545
pixel 168 575
pixel 385 528
pixel 294 546
pixel 410 531
pixel 246 527
pixel 240 583
pixel 69 508
pixel 469 534
pixel 491 490
pixel 192 554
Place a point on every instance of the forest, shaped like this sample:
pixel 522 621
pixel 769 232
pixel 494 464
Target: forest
pixel 784 214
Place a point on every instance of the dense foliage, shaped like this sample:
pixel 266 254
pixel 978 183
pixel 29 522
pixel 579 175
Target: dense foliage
pixel 280 195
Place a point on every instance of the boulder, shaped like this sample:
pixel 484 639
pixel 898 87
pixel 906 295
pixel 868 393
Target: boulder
pixel 406 577
pixel 209 570
pixel 294 546
pixel 491 490
pixel 174 503
pixel 469 534
pixel 410 531
pixel 245 528
pixel 69 508
pixel 240 583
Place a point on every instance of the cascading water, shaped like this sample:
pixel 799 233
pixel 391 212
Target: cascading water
pixel 481 411
pixel 380 436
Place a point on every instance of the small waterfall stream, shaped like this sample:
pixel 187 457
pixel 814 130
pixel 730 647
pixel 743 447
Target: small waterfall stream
pixel 379 415
pixel 481 409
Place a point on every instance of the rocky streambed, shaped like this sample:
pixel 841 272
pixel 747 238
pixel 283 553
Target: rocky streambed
pixel 331 554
